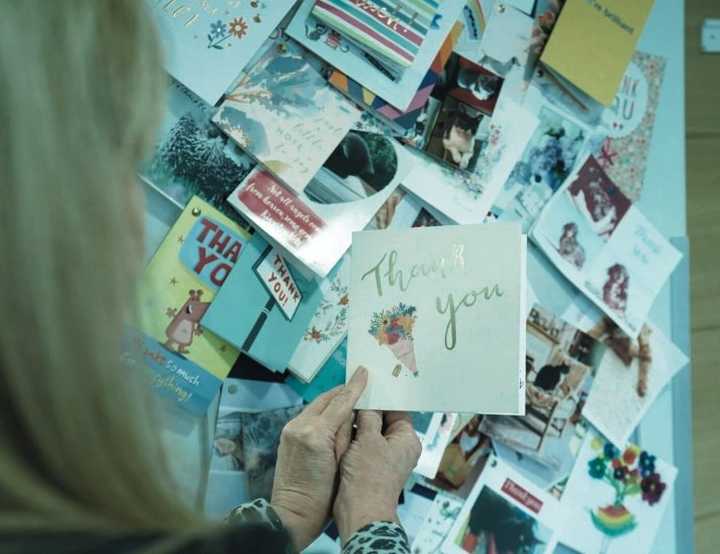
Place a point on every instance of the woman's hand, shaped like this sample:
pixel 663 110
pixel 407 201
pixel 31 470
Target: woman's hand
pixel 310 447
pixel 374 470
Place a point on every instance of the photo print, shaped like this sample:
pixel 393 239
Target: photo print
pixel 361 165
pixel 591 231
pixel 560 365
pixel 504 513
pixel 227 452
pixel 463 460
pixel 437 433
pixel 192 156
pixel 449 126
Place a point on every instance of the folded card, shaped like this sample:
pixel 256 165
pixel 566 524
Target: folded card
pixel 264 308
pixel 591 231
pixel 435 310
pixel 593 42
pixel 208 43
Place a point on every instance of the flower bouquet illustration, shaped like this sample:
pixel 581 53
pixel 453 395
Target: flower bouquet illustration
pixel 630 473
pixel 393 327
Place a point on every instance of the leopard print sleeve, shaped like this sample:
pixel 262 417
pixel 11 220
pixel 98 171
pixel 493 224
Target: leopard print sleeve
pixel 380 537
pixel 257 511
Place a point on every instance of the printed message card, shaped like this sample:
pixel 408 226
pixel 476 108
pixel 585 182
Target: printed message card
pixel 591 231
pixel 438 317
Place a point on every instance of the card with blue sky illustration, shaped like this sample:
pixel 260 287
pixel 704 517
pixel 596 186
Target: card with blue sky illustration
pixel 437 317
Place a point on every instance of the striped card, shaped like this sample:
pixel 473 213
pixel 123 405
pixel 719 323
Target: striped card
pixel 392 30
pixel 405 119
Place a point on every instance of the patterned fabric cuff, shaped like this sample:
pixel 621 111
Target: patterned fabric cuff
pixel 381 537
pixel 257 511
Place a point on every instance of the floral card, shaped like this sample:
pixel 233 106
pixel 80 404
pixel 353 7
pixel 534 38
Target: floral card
pixel 595 236
pixel 342 54
pixel 505 513
pixel 560 365
pixel 615 499
pixel 630 120
pixel 549 157
pixel 466 195
pixel 208 43
pixel 284 113
pixel 439 520
pixel 328 326
pixel 429 315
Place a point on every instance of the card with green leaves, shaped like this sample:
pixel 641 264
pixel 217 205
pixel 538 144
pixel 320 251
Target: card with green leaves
pixel 437 317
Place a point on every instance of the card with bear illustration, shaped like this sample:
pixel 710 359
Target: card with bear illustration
pixel 436 310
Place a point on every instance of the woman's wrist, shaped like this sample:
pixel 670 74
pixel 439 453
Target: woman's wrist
pixel 354 514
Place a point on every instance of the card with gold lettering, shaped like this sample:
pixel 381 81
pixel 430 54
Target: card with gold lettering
pixel 207 44
pixel 593 42
pixel 437 317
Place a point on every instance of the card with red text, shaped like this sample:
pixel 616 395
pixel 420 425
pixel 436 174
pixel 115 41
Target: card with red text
pixel 181 280
pixel 437 317
pixel 505 513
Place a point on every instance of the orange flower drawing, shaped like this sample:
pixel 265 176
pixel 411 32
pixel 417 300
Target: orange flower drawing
pixel 238 27
pixel 344 300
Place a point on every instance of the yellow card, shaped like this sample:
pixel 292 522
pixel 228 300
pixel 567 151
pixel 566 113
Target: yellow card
pixel 593 41
pixel 181 280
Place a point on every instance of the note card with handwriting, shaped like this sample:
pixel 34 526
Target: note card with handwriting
pixel 437 318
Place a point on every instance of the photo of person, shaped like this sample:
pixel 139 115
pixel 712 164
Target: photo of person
pixel 561 362
pixel 569 247
pixel 615 289
pixel 458 135
pixel 463 460
pixel 598 199
pixel 495 526
pixel 361 165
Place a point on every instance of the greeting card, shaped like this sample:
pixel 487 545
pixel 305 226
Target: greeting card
pixel 330 375
pixel 615 499
pixel 489 155
pixel 264 306
pixel 631 376
pixel 593 42
pixel 192 156
pixel 314 227
pixel 284 113
pixel 328 325
pixel 429 315
pixel 474 18
pixel 359 66
pixel 549 157
pixel 208 43
pixel 393 34
pixel 439 520
pixel 505 513
pixel 560 365
pixel 181 280
pixel 434 437
pixel 403 119
pixel 630 120
pixel 591 231
pixel 173 377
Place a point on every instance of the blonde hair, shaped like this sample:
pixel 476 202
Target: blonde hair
pixel 82 90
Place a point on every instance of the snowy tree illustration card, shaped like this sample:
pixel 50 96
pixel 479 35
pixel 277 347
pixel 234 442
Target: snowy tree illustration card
pixel 284 113
pixel 615 499
pixel 207 43
pixel 438 318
